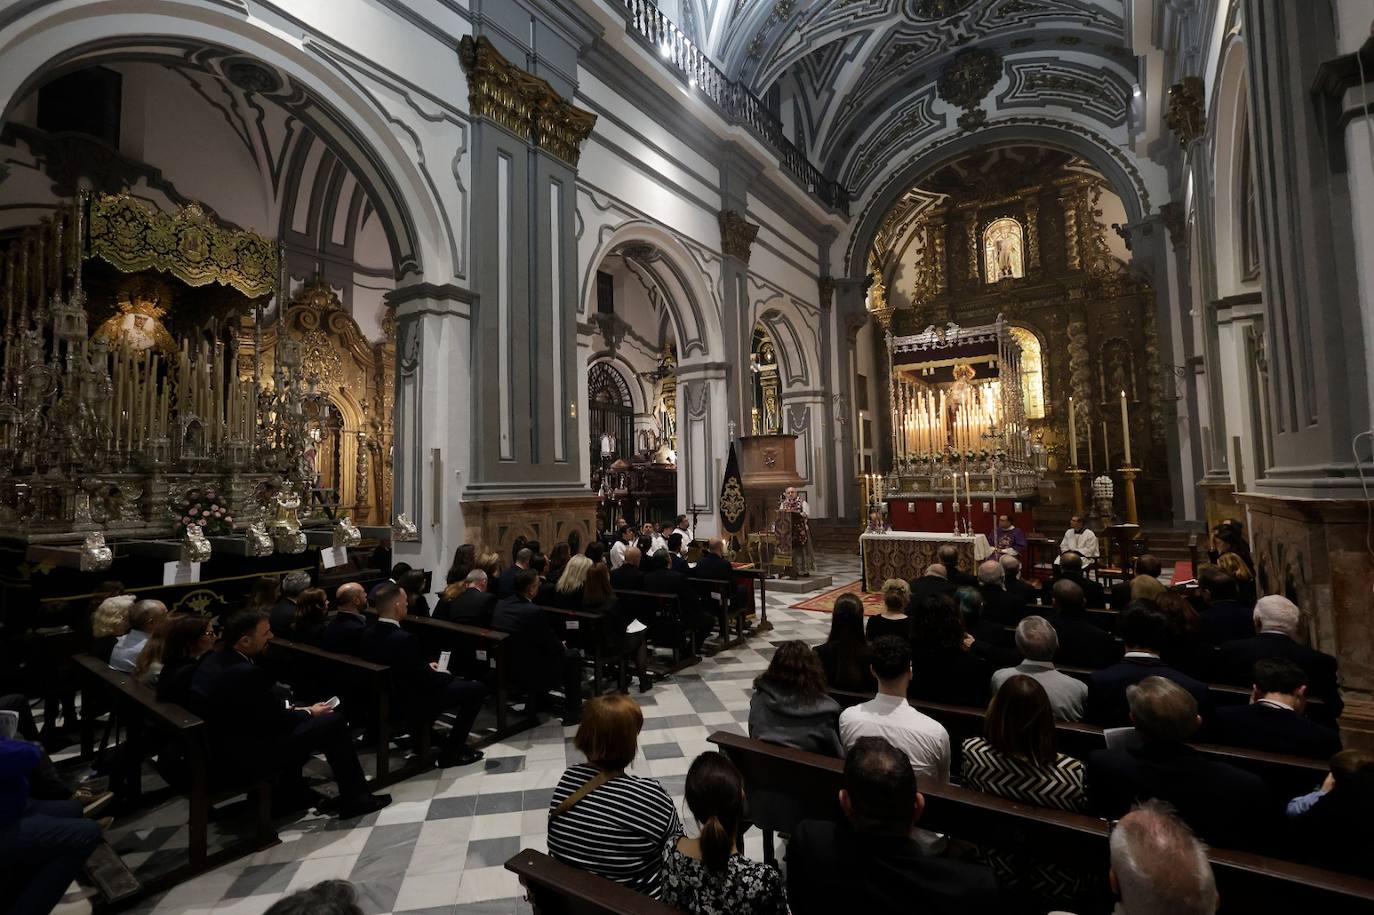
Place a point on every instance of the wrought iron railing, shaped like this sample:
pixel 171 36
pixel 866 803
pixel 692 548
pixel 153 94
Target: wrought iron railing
pixel 734 102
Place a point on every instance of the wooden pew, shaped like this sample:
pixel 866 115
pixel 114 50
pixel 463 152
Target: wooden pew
pixel 475 650
pixel 555 888
pixel 1247 882
pixel 139 708
pixel 1221 694
pixel 665 611
pixel 358 684
pixel 717 593
pixel 1289 776
pixel 588 628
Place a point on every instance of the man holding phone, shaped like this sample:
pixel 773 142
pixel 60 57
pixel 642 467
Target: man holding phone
pixel 250 730
pixel 425 689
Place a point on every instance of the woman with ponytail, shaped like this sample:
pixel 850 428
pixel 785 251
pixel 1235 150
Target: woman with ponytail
pixel 708 875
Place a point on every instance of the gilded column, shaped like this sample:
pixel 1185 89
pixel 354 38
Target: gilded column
pixel 937 231
pixel 971 240
pixel 1071 253
pixel 1032 235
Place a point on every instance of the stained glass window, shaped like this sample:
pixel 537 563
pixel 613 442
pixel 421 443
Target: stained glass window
pixel 1002 250
pixel 1032 372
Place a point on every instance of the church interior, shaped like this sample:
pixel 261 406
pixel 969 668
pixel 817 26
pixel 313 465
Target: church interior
pixel 791 321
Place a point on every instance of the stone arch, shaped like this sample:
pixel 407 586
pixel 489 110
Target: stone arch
pixel 37 41
pixel 1230 105
pixel 638 399
pixel 779 320
pixel 1130 188
pixel 689 301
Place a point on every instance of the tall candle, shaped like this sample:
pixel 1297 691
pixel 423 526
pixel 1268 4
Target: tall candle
pixel 1106 449
pixel 1091 464
pixel 1073 437
pixel 968 495
pixel 1125 429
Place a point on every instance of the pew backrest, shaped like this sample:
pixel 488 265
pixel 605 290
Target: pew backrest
pixel 556 888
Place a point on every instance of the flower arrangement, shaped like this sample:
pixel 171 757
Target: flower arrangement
pixel 206 508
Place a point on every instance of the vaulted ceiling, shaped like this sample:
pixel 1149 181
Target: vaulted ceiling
pixel 864 77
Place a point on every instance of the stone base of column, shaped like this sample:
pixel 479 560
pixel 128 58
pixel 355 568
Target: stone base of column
pixel 1313 552
pixel 493 524
pixel 1218 500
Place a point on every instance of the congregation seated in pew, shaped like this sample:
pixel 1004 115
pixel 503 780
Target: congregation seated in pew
pixel 253 730
pixel 790 705
pixel 1144 630
pixel 1038 643
pixel 1273 720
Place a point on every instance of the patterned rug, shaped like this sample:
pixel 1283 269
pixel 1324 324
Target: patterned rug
pixel 825 601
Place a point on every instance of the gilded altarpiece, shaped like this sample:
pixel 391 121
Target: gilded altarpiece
pixel 1094 320
pixel 349 395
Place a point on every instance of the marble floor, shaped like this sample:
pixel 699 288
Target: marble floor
pixel 439 848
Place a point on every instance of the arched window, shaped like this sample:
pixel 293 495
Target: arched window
pixel 1032 372
pixel 1003 250
pixel 611 412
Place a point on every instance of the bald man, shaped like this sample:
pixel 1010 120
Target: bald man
pixel 345 631
pixel 934 583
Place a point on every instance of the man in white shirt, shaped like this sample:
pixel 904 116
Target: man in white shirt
pixel 684 527
pixel 617 553
pixel 143 618
pixel 1078 539
pixel 888 715
pixel 1038 642
pixel 656 541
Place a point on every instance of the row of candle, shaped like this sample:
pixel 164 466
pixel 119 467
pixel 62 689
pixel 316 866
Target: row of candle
pixel 1106 445
pixel 930 421
pixel 143 402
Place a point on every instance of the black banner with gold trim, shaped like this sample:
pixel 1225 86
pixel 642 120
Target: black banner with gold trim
pixel 732 496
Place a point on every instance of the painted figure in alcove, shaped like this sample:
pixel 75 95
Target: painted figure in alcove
pixel 1002 249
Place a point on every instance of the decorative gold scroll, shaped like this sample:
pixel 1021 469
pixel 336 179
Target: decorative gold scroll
pixel 189 245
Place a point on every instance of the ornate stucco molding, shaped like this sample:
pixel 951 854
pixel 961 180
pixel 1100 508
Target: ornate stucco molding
pixel 825 291
pixel 522 103
pixel 967 80
pixel 1175 222
pixel 736 234
pixel 1186 113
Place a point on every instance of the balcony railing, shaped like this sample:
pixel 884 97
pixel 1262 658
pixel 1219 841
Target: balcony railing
pixel 734 102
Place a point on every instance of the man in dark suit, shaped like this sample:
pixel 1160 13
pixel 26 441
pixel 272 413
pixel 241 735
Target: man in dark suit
pixel 676 560
pixel 1082 643
pixel 505 585
pixel 422 688
pixel 253 730
pixel 346 629
pixel 1146 565
pixel 934 582
pixel 949 558
pixel 629 576
pixel 1023 591
pixel 283 615
pixel 1274 719
pixel 868 861
pixel 1071 567
pixel 1224 617
pixel 1145 629
pixel 999 606
pixel 662 580
pixel 539 655
pixel 474 606
pixel 1227 806
pixel 1277 620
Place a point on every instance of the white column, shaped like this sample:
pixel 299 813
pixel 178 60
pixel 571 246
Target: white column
pixel 433 430
pixel 703 442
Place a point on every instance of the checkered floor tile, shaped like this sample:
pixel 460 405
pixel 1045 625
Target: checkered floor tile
pixel 440 846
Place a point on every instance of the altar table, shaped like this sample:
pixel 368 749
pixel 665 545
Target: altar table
pixel 905 554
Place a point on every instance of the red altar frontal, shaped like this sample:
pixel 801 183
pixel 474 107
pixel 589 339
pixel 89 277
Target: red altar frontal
pixel 925 512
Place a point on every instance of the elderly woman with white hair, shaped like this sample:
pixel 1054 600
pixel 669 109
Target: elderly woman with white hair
pixel 110 621
pixel 1278 624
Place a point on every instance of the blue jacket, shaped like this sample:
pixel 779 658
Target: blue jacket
pixel 17 759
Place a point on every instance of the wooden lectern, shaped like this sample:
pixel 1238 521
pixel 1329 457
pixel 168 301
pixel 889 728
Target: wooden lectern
pixel 767 466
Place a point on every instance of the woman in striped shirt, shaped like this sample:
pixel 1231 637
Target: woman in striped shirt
pixel 602 820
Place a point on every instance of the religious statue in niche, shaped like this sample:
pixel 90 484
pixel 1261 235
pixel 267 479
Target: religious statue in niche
pixel 138 319
pixel 1003 250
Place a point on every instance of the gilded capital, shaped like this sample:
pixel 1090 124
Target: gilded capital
pixel 736 234
pixel 500 92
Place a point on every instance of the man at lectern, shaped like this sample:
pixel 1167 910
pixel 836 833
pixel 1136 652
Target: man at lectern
pixel 1008 538
pixel 797 512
